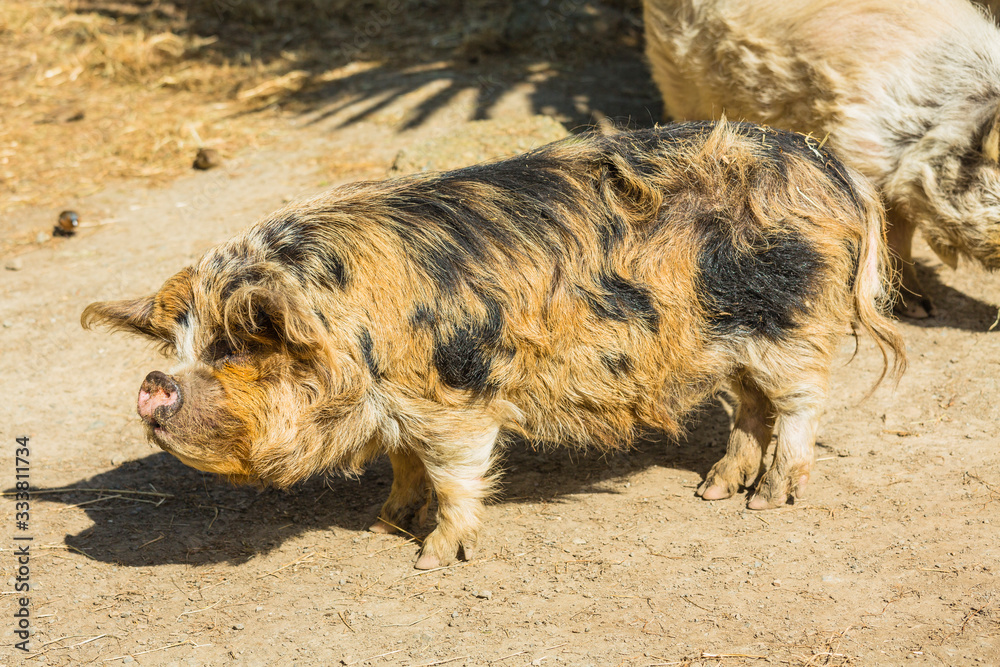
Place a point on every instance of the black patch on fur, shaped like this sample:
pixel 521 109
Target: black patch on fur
pixel 611 232
pixel 287 246
pixel 759 292
pixel 619 363
pixel 464 359
pixel 611 228
pixel 365 343
pixel 217 264
pixel 620 300
pixel 333 267
pixel 641 148
pixel 854 252
pixel 489 216
pixel 422 317
pixel 971 161
pixel 322 319
pixel 461 360
pixel 293 244
pixel 183 318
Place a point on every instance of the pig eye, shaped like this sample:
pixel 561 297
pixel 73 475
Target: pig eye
pixel 219 350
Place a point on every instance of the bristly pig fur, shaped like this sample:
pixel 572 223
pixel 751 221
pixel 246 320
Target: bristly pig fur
pixel 575 294
pixel 908 92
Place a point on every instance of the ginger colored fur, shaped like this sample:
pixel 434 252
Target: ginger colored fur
pixel 905 91
pixel 575 294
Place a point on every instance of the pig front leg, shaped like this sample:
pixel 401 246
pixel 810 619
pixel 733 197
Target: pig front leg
pixel 458 469
pixel 409 497
pixel 748 442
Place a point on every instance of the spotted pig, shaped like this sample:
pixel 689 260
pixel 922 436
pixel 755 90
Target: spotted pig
pixel 907 92
pixel 574 294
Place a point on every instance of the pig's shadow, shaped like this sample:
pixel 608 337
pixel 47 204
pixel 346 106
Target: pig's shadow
pixel 953 308
pixel 204 520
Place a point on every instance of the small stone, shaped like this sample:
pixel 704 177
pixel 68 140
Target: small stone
pixel 486 595
pixel 41 237
pixel 68 223
pixel 126 614
pixel 454 614
pixel 259 608
pixel 579 540
pixel 128 659
pixel 14 264
pixel 207 158
pixel 238 626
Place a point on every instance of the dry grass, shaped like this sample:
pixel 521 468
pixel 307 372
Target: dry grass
pixel 129 89
pixel 88 98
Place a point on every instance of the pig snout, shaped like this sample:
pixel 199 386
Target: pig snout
pixel 159 398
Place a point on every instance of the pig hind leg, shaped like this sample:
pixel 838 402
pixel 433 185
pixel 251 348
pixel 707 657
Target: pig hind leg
pixel 747 445
pixel 798 405
pixel 911 300
pixel 409 497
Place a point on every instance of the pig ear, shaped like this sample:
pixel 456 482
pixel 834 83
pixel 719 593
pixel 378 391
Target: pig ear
pixel 129 315
pixel 257 314
pixel 991 140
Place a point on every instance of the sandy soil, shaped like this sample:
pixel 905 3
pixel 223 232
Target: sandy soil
pixel 586 560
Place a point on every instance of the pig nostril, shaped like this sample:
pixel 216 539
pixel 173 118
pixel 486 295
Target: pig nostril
pixel 159 399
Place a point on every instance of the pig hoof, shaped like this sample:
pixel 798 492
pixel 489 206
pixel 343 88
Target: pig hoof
pixel 427 562
pixel 800 488
pixel 381 527
pixel 714 492
pixel 762 502
pixel 759 502
pixel 915 311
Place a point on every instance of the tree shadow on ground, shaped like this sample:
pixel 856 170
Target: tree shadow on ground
pixel 197 518
pixel 582 58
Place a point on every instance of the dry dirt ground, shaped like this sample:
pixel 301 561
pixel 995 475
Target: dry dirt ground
pixel 893 558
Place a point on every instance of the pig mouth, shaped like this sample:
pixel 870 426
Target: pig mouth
pixel 177 446
pixel 158 433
